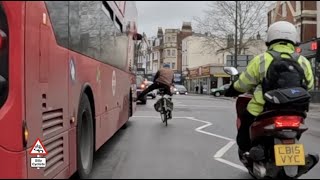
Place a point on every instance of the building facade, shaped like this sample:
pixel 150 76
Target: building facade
pixel 170 43
pixel 303 14
pixel 205 68
pixel 202 69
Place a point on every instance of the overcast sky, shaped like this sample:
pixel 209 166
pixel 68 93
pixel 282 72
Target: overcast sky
pixel 166 14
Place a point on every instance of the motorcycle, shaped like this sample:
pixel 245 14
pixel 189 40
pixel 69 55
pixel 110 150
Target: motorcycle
pixel 276 151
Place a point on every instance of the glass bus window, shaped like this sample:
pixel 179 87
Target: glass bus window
pixel 107 37
pixel 90 28
pixel 74 26
pixel 59 16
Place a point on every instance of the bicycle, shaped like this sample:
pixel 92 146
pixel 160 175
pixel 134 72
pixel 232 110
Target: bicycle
pixel 165 106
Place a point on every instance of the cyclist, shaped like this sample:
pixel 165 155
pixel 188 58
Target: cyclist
pixel 163 79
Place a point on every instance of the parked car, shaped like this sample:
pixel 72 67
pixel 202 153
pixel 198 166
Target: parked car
pixel 141 85
pixel 179 89
pixel 220 91
pixel 152 94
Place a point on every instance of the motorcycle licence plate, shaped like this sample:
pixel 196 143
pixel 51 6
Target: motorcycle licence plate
pixel 289 154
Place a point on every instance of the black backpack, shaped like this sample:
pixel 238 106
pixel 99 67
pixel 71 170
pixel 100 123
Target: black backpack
pixel 282 75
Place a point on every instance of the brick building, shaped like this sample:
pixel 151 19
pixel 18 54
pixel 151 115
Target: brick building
pixel 303 14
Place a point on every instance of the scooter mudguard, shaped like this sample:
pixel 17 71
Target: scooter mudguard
pixel 291 171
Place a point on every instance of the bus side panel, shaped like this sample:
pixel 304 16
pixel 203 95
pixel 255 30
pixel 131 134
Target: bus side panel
pixel 46 71
pixel 109 102
pixel 86 73
pixel 12 155
pixel 12 112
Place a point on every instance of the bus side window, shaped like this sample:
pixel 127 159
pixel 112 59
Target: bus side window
pixel 59 17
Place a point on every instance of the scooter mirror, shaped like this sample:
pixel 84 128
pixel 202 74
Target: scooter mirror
pixel 231 71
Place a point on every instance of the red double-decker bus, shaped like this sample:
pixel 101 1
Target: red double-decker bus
pixel 65 78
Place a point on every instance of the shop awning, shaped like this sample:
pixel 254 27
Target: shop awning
pixel 221 75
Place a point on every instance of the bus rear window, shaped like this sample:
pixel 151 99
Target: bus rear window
pixel 4 61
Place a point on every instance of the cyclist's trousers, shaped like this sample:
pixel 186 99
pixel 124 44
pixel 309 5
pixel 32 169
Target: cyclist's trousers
pixel 154 86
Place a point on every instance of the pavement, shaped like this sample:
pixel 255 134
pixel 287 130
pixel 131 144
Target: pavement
pixel 199 143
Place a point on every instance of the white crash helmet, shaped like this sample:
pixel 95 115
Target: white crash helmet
pixel 282 30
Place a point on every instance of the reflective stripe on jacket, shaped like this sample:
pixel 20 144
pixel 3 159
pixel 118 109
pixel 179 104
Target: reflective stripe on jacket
pixel 256 71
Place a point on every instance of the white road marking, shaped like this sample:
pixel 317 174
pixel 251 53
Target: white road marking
pixel 180 105
pixel 232 164
pixel 199 129
pixel 159 117
pixel 221 152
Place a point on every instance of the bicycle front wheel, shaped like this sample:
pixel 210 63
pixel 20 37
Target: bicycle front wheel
pixel 164 117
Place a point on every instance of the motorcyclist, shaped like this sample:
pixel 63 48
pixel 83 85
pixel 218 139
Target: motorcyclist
pixel 281 37
pixel 162 79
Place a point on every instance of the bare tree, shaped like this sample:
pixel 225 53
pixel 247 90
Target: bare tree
pixel 220 20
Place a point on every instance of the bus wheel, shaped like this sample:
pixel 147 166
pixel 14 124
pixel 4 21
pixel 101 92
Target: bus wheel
pixel 130 104
pixel 84 138
pixel 130 112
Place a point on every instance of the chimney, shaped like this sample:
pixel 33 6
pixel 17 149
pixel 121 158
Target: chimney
pixel 160 32
pixel 186 27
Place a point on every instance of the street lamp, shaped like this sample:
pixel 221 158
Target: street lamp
pixel 236 38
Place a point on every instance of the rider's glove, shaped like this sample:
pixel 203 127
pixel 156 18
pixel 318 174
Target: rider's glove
pixel 231 92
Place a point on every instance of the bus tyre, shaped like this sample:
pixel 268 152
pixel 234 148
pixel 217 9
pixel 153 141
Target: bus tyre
pixel 85 139
pixel 129 113
pixel 130 105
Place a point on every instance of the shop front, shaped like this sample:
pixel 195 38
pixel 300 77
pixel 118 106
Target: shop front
pixel 309 50
pixel 202 79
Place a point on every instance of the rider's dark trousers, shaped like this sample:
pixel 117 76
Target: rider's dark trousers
pixel 154 86
pixel 243 136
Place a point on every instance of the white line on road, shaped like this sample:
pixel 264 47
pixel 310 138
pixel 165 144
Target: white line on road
pixel 232 164
pixel 180 105
pixel 224 149
pixel 159 117
pixel 199 129
pixel 221 152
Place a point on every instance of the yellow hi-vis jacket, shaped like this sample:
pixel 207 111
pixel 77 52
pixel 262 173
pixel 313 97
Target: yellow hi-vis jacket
pixel 256 71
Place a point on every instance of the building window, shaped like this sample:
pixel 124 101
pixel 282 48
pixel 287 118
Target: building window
pixel 284 9
pixel 173 65
pixel 152 56
pixel 168 52
pixel 173 52
pixel 173 39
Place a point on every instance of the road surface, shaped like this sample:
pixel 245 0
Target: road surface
pixel 198 143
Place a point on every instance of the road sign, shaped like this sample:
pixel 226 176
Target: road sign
pixel 38 148
pixel 38 162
